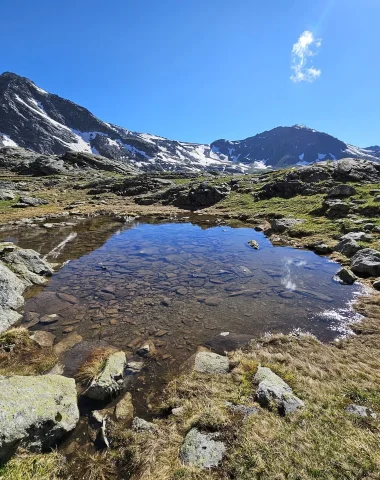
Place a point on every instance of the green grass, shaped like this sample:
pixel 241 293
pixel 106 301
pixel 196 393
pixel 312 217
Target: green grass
pixel 34 467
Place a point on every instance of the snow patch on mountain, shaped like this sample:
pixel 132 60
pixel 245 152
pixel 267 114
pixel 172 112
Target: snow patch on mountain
pixel 6 141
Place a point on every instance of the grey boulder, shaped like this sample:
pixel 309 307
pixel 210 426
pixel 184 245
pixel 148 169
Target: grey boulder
pixel 208 362
pixel 202 450
pixel 348 247
pixel 366 262
pixel 110 381
pixel 35 412
pixel 273 390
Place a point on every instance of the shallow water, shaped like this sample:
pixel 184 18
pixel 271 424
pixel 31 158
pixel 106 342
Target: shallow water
pixel 179 284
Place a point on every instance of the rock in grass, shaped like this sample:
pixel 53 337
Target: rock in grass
pixel 35 412
pixel 272 389
pixel 342 190
pixel 202 450
pixel 208 362
pixel 110 382
pixel 366 262
pixel 345 276
pixel 279 225
pixel 33 201
pixel 141 425
pixel 360 411
pixel 376 284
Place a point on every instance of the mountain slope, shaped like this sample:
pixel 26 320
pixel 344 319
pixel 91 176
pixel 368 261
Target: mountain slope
pixel 284 146
pixel 45 123
pixel 33 118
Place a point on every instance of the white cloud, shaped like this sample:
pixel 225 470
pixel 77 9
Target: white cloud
pixel 306 47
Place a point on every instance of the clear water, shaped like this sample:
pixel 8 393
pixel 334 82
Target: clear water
pixel 178 284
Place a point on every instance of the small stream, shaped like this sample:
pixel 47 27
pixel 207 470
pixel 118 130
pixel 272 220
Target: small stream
pixel 178 284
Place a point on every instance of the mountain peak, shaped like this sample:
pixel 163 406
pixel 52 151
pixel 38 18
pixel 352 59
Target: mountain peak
pixel 35 119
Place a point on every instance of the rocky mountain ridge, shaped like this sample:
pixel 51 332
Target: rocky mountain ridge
pixel 32 118
pixel 48 124
pixel 285 146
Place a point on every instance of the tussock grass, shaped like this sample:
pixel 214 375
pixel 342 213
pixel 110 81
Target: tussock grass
pixel 20 355
pixel 34 467
pixel 94 365
pixel 321 441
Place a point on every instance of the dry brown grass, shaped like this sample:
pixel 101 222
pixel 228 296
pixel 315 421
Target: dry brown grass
pixel 94 365
pixel 20 355
pixel 320 442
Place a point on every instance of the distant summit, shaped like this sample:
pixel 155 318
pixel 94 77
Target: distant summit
pixel 285 146
pixel 32 118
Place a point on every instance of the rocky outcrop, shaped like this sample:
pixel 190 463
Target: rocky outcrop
pixel 202 450
pixel 272 390
pixel 26 162
pixel 306 180
pixel 35 412
pixel 366 262
pixel 19 269
pixel 204 195
pixel 110 381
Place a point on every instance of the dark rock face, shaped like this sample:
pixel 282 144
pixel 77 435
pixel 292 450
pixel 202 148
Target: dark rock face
pixel 205 195
pixel 285 146
pixel 25 162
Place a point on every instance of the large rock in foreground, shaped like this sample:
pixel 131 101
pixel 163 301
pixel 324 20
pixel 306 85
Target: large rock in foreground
pixel 35 412
pixel 272 389
pixel 366 262
pixel 111 380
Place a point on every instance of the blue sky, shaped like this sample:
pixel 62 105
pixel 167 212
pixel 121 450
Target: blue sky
pixel 199 70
